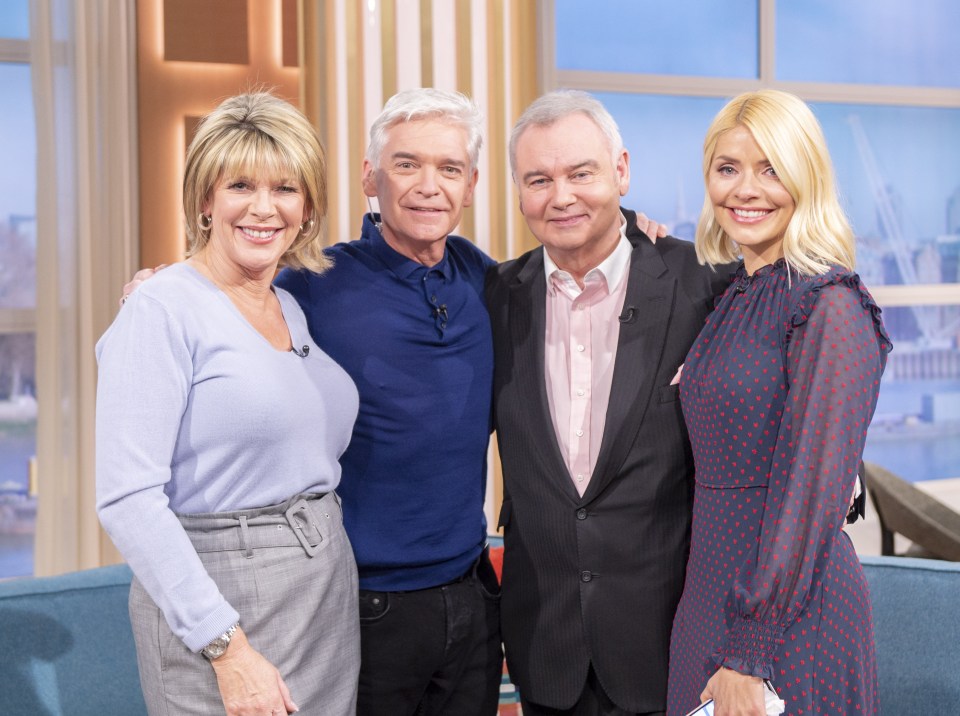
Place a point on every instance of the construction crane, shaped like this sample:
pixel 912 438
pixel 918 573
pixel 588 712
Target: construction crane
pixel 926 318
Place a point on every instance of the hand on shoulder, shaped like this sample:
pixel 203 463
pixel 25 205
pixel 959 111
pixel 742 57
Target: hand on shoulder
pixel 138 278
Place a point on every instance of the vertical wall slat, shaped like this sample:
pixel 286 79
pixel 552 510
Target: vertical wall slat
pixel 388 46
pixel 464 40
pixel 406 58
pixel 496 134
pixel 445 57
pixel 426 43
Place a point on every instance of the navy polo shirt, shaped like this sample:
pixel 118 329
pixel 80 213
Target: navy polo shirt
pixel 417 343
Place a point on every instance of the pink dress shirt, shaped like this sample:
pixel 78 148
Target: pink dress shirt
pixel 582 334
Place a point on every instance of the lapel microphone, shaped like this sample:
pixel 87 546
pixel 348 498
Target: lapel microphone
pixel 303 352
pixel 629 314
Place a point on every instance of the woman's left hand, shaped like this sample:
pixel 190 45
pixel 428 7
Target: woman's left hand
pixel 249 684
pixel 735 694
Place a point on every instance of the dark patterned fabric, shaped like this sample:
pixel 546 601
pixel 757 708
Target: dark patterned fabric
pixel 777 394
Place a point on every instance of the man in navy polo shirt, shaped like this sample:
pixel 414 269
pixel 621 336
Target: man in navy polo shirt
pixel 402 310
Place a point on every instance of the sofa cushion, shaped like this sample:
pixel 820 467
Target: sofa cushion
pixel 66 646
pixel 917 630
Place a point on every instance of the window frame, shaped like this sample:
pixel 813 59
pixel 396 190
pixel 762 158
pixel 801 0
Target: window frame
pixel 549 77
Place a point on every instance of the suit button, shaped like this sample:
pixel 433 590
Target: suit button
pixel 581 514
pixel 586 575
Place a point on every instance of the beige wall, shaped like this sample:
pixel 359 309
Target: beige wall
pixel 192 54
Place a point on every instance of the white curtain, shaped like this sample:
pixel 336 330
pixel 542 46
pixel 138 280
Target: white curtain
pixel 83 60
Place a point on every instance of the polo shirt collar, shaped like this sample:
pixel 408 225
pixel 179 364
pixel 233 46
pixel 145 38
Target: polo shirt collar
pixel 402 266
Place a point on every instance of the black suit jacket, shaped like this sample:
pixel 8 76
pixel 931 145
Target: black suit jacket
pixel 597 578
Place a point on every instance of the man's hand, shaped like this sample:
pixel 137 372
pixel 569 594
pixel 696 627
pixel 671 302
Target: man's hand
pixel 138 278
pixel 249 684
pixel 735 694
pixel 650 227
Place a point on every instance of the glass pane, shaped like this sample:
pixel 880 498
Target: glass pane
pixel 18 406
pixel 899 173
pixel 14 19
pixel 18 179
pixel 18 267
pixel 889 42
pixel 18 428
pixel 916 430
pixel 664 136
pixel 683 37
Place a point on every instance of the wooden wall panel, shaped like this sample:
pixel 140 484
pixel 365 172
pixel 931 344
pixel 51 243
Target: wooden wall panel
pixel 205 31
pixel 169 91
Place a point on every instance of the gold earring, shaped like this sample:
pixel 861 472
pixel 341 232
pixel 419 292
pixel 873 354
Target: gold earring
pixel 204 222
pixel 306 226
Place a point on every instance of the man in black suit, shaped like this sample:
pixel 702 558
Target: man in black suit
pixel 590 332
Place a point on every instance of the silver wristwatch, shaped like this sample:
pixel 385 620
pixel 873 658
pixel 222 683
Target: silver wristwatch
pixel 216 648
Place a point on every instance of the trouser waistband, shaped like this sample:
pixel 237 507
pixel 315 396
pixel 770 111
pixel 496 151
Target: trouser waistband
pixel 303 520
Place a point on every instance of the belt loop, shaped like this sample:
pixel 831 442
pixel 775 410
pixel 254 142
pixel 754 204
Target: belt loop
pixel 245 538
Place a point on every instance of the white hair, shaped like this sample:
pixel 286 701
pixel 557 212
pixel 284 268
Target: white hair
pixel 554 106
pixel 428 103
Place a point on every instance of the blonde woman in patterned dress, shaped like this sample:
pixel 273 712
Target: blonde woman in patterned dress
pixel 777 394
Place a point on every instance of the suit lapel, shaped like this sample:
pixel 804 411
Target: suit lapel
pixel 643 330
pixel 528 299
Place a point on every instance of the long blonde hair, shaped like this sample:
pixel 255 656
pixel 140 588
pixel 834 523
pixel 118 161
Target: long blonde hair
pixel 818 234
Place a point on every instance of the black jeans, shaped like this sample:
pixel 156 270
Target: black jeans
pixel 434 651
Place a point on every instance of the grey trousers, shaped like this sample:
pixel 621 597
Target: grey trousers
pixel 289 571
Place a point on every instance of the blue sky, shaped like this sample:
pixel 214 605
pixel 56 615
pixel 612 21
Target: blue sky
pixel 17 133
pixel 18 176
pixel 917 150
pixel 15 19
pixel 894 42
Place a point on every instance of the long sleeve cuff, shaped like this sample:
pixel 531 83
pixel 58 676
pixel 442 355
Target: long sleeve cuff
pixel 750 648
pixel 211 627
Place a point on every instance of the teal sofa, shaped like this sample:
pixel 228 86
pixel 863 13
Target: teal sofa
pixel 66 647
pixel 916 623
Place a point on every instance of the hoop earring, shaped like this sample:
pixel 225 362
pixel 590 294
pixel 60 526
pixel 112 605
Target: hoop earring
pixel 307 226
pixel 204 221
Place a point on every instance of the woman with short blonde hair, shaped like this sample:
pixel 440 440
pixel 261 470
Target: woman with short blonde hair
pixel 220 425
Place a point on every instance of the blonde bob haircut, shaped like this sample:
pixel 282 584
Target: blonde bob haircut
pixel 258 134
pixel 818 234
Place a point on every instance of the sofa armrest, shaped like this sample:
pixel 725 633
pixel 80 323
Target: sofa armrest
pixel 66 646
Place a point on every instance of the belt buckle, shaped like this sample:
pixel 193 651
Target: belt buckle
pixel 300 507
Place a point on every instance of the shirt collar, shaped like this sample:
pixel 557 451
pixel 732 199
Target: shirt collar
pixel 613 268
pixel 401 265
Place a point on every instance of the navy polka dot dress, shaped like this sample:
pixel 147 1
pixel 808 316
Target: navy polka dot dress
pixel 777 393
